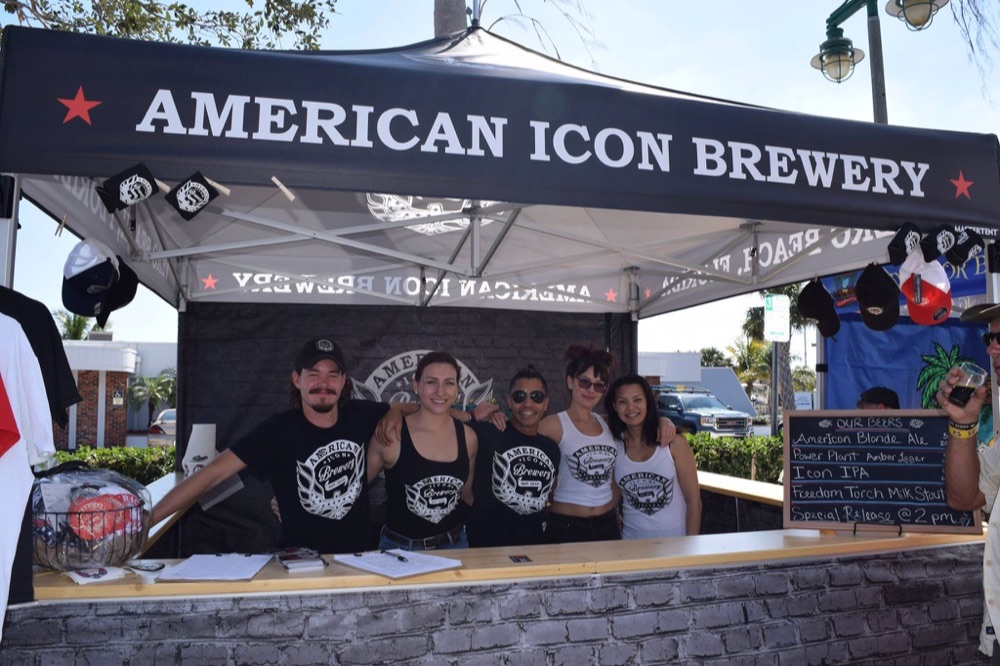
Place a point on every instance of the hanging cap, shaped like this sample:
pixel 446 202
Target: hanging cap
pixel 878 298
pixel 967 243
pixel 96 281
pixel 906 240
pixel 927 290
pixel 938 242
pixel 815 303
pixel 126 188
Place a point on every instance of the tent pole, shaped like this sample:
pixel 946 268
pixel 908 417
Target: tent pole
pixel 8 229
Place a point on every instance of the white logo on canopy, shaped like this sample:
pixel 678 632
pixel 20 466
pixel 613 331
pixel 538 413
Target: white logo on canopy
pixel 397 208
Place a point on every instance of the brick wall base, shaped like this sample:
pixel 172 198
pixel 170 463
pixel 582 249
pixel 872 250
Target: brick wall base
pixel 914 608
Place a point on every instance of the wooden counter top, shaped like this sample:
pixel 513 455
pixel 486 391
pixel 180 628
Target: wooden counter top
pixel 494 564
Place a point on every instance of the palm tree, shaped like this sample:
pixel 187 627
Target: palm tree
pixel 753 327
pixel 75 327
pixel 152 391
pixel 751 362
pixel 713 358
pixel 803 379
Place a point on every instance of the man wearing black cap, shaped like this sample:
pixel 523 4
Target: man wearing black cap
pixel 972 474
pixel 313 454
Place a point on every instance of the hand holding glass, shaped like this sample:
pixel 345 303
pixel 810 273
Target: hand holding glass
pixel 972 377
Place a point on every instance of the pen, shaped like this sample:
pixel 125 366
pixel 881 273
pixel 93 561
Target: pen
pixel 396 555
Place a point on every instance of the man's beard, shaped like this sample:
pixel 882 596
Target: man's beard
pixel 323 409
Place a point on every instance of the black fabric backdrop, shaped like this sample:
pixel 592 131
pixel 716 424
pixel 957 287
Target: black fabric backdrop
pixel 244 355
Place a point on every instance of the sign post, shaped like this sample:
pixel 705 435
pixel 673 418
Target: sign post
pixel 777 328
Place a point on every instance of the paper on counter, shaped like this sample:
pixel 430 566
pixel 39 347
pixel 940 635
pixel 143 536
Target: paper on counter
pixel 233 566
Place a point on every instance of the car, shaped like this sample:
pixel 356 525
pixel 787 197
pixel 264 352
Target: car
pixel 695 410
pixel 163 432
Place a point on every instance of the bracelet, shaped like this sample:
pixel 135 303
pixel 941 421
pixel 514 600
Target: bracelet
pixel 472 416
pixel 963 426
pixel 958 433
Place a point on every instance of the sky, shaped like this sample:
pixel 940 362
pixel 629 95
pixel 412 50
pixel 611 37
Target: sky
pixel 756 53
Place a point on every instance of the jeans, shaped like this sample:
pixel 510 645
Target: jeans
pixel 572 529
pixel 385 542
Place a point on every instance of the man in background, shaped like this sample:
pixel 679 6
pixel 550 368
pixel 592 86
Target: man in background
pixel 878 397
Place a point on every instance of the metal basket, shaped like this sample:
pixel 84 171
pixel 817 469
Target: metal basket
pixel 97 528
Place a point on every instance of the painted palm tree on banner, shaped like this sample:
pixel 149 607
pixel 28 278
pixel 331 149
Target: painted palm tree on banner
pixel 753 327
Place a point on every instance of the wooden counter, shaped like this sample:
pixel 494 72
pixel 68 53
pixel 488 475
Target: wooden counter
pixel 494 564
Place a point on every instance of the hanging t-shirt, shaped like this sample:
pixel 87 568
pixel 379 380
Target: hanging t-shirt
pixel 25 395
pixel 511 486
pixel 40 329
pixel 318 475
pixel 423 496
pixel 652 502
pixel 586 465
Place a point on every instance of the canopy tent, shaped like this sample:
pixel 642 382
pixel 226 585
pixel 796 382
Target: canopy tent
pixel 461 171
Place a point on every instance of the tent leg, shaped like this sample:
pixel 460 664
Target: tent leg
pixel 10 195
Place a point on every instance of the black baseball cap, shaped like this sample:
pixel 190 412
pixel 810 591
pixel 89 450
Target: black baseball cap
pixel 318 349
pixel 878 298
pixel 816 303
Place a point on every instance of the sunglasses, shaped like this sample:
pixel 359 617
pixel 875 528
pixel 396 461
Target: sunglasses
pixel 990 338
pixel 537 397
pixel 585 384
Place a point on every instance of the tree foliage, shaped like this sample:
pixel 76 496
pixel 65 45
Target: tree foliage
pixel 74 327
pixel 751 362
pixel 977 20
pixel 713 358
pixel 261 27
pixel 152 391
pixel 803 379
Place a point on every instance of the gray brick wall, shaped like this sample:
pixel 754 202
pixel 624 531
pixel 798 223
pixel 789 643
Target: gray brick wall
pixel 916 608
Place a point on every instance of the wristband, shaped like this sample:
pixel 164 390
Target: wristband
pixel 963 426
pixel 472 416
pixel 962 433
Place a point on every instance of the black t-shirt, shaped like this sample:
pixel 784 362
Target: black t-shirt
pixel 40 328
pixel 513 480
pixel 319 475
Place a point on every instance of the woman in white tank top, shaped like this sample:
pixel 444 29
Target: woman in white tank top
pixel 659 486
pixel 583 504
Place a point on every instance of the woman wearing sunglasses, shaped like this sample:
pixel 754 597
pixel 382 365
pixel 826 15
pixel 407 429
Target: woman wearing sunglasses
pixel 659 486
pixel 583 505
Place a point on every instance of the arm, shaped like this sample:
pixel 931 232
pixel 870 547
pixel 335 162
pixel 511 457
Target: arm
pixel 667 431
pixel 551 428
pixel 961 459
pixel 687 476
pixel 190 489
pixel 381 457
pixel 389 428
pixel 472 445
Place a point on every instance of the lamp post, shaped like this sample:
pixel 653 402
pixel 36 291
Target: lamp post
pixel 837 55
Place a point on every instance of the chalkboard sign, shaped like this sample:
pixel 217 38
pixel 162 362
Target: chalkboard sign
pixel 869 470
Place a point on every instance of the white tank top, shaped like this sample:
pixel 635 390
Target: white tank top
pixel 653 503
pixel 586 465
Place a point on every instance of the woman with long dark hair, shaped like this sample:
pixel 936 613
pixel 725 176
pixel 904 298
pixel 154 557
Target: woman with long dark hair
pixel 428 474
pixel 659 486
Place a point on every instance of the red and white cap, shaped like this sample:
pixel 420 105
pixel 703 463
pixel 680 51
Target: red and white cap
pixel 927 290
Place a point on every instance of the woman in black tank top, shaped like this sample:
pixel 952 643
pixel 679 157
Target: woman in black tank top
pixel 428 475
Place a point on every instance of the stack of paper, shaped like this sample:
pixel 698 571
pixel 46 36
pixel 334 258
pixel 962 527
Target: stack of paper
pixel 300 559
pixel 398 563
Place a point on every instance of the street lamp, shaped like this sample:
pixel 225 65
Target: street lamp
pixel 916 14
pixel 838 56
